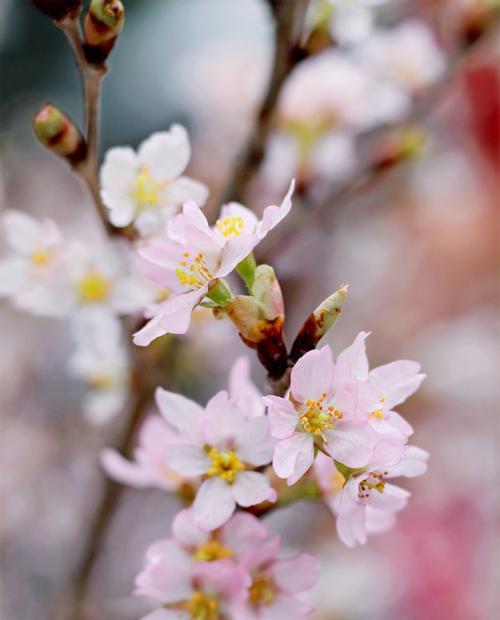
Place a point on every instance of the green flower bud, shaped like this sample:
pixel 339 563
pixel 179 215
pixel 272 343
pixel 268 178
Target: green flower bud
pixel 103 23
pixel 59 134
pixel 318 323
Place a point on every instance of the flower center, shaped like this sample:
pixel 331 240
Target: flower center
pixel 212 550
pixel 230 226
pixel 202 607
pixel 145 190
pixel 93 287
pixel 100 381
pixel 378 414
pixel 316 417
pixel 40 256
pixel 262 591
pixel 224 464
pixel 195 272
pixel 373 482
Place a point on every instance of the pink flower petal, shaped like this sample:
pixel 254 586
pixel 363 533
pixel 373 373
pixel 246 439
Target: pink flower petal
pixel 312 375
pixel 254 444
pixel 297 574
pixel 282 416
pixel 355 356
pixel 180 412
pixel 273 215
pixel 251 488
pixel 222 420
pixel 124 471
pixel 185 530
pixel 187 459
pixel 351 443
pixel 243 390
pixel 397 381
pixel 214 504
pixel 293 456
pixel 242 532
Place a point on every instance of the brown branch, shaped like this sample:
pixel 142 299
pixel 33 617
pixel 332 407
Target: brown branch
pixel 91 77
pixel 288 17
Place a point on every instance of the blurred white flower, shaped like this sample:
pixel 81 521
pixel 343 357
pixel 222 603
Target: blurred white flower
pixel 100 360
pixel 30 274
pixel 103 277
pixel 407 55
pixel 146 187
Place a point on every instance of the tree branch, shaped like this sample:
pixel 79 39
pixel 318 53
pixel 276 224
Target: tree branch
pixel 288 17
pixel 91 76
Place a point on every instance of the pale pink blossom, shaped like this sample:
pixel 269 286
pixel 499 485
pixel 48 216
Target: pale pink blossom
pixel 406 55
pixel 210 590
pixel 386 386
pixel 367 503
pixel 224 446
pixel 191 545
pixel 30 273
pixel 275 584
pixel 325 408
pixel 100 360
pixel 148 467
pixel 147 187
pixel 194 256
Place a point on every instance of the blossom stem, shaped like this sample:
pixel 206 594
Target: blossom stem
pixel 91 76
pixel 288 18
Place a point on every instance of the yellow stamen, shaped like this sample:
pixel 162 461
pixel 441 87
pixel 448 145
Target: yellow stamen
pixel 40 256
pixel 317 417
pixel 93 287
pixel 230 226
pixel 101 381
pixel 262 591
pixel 196 273
pixel 226 465
pixel 201 607
pixel 212 550
pixel 145 190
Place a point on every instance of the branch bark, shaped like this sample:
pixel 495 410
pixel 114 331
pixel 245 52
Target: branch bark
pixel 288 18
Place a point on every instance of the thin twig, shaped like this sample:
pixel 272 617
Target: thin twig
pixel 288 18
pixel 91 76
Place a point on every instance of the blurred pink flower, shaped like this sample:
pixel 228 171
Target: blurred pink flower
pixel 276 583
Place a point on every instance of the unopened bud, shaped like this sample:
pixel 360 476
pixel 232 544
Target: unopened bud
pixel 59 134
pixel 103 23
pixel 318 323
pixel 477 18
pixel 260 319
pixel 58 9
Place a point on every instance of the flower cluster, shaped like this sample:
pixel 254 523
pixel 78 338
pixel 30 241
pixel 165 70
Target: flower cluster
pixel 342 411
pixel 233 572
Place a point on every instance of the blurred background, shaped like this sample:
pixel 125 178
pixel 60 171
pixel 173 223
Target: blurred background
pixel 418 242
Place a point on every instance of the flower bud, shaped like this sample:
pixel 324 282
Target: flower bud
pixel 59 134
pixel 318 323
pixel 58 9
pixel 103 23
pixel 260 319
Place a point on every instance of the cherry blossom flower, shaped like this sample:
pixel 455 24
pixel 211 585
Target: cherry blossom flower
pixel 224 446
pixel 388 385
pixel 193 257
pixel 324 408
pixel 208 591
pixel 276 583
pixel 100 360
pixel 30 275
pixel 102 277
pixel 146 188
pixel 367 503
pixel 407 55
pixel 190 545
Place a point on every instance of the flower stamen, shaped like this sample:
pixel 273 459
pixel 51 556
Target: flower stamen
pixel 225 464
pixel 230 226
